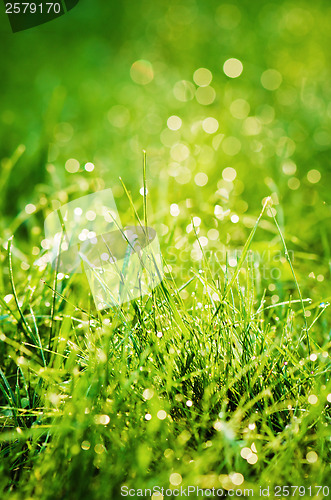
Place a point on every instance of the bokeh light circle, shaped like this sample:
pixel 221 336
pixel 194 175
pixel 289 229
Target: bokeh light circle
pixel 142 72
pixel 233 68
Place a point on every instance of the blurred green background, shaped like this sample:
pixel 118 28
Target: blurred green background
pixel 231 101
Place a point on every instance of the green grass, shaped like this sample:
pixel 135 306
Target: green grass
pixel 240 325
pixel 179 381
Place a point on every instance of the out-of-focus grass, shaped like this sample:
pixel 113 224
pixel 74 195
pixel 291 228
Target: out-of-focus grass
pixel 67 96
pixel 74 419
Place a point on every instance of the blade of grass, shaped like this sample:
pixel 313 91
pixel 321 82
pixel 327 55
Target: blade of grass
pixel 11 278
pixel 145 187
pixel 247 246
pixel 287 256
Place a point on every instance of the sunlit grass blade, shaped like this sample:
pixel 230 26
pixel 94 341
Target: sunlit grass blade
pixel 246 247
